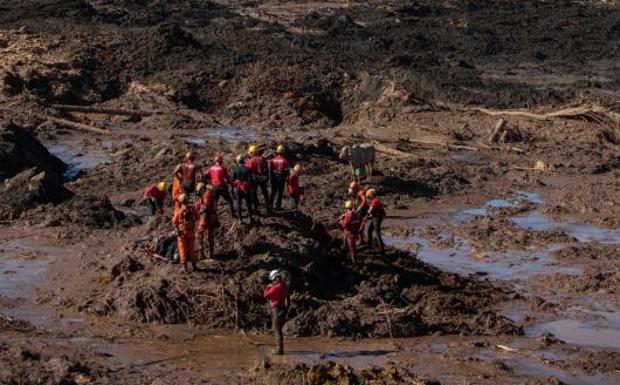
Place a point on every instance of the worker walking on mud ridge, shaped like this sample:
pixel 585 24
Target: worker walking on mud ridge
pixel 376 213
pixel 184 221
pixel 219 177
pixel 279 296
pixel 357 195
pixel 242 181
pixel 260 176
pixel 207 220
pixel 155 195
pixel 278 173
pixel 351 223
pixel 295 191
pixel 187 172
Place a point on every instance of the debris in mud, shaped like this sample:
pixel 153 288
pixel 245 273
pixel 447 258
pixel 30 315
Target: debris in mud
pixel 14 325
pixel 501 234
pixel 92 212
pixel 333 373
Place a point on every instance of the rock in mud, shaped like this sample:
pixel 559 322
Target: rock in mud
pixel 91 211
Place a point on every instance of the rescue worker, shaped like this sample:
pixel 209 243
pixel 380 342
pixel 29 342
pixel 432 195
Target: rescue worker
pixel 351 223
pixel 278 173
pixel 376 213
pixel 184 221
pixel 260 177
pixel 155 195
pixel 278 294
pixel 295 192
pixel 357 195
pixel 219 178
pixel 207 214
pixel 242 179
pixel 187 173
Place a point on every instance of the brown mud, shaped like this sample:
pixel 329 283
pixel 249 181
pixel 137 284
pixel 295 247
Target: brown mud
pixel 494 273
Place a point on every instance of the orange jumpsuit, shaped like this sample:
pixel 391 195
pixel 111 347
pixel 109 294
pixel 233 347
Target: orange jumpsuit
pixel 208 219
pixel 184 220
pixel 177 190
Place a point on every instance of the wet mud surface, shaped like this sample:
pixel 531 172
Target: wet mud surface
pixel 495 271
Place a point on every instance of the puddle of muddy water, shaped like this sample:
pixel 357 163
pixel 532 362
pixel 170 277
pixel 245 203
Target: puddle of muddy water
pixel 230 134
pixel 581 231
pixel 76 157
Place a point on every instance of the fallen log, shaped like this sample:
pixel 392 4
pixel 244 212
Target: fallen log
pixel 392 151
pixel 106 110
pixel 77 126
pixel 447 145
pixel 503 148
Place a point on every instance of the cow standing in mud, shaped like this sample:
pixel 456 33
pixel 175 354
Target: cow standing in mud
pixel 361 157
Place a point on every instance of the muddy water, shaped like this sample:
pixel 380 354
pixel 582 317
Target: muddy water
pixel 71 150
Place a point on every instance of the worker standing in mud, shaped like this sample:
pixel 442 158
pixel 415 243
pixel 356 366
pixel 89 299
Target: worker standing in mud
pixel 207 222
pixel 242 182
pixel 184 220
pixel 357 195
pixel 376 213
pixel 278 173
pixel 295 191
pixel 260 176
pixel 155 196
pixel 187 173
pixel 278 294
pixel 351 223
pixel 219 177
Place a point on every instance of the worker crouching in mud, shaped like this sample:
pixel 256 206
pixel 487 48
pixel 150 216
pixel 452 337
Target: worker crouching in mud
pixel 184 221
pixel 242 179
pixel 351 223
pixel 207 222
pixel 155 196
pixel 278 294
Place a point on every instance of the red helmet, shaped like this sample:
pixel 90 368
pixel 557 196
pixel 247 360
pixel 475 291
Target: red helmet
pixel 219 158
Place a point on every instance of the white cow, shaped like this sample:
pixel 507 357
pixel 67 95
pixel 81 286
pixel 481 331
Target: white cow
pixel 360 157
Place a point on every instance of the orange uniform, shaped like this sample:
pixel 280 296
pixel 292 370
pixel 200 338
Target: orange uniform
pixel 207 213
pixel 177 191
pixel 184 220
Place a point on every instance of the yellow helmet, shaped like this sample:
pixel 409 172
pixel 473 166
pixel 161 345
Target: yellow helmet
pixel 348 204
pixel 280 149
pixel 161 186
pixel 371 193
pixel 200 187
pixel 252 149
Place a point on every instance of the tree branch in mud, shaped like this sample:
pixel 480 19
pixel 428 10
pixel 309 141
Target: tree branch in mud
pixel 77 126
pixel 107 111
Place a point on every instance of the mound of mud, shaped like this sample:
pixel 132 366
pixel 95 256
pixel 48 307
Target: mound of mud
pixel 20 150
pixel 394 295
pixel 501 234
pixel 333 373
pixel 90 211
pixel 27 190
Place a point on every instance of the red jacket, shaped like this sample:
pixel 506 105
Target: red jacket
pixel 278 294
pixel 293 187
pixel 377 207
pixel 154 192
pixel 351 222
pixel 218 174
pixel 279 163
pixel 257 164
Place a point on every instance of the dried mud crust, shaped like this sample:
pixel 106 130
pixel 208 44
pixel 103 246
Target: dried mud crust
pixel 393 295
pixel 498 233
pixel 332 373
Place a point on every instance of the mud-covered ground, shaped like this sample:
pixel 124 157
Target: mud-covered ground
pixel 495 271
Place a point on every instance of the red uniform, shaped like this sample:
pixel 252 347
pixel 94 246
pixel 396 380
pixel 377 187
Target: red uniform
pixel 184 220
pixel 278 294
pixel 257 164
pixel 351 224
pixel 159 196
pixel 279 163
pixel 218 175
pixel 187 171
pixel 377 207
pixel 293 188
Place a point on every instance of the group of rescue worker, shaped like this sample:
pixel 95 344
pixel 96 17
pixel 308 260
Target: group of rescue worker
pixel 196 190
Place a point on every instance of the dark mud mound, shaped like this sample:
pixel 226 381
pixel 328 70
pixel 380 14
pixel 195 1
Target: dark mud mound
pixel 332 373
pixel 501 234
pixel 28 190
pixel 20 150
pixel 394 295
pixel 91 211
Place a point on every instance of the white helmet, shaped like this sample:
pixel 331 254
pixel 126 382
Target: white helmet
pixel 274 274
